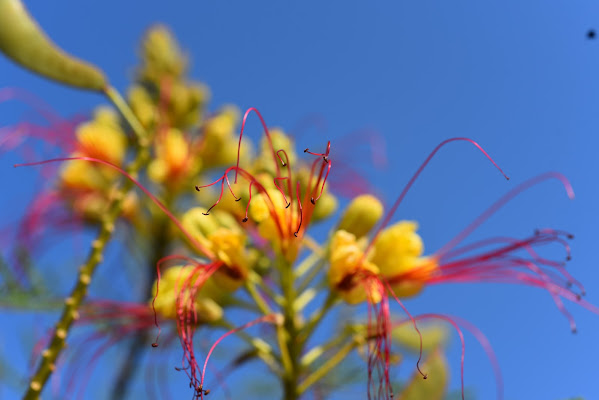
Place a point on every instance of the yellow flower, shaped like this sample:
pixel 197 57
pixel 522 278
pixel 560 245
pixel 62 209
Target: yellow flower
pixel 220 233
pixel 174 161
pixel 396 258
pixel 229 247
pixel 352 276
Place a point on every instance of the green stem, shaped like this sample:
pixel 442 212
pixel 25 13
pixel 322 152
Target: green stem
pixel 327 366
pixel 313 273
pixel 118 101
pixel 289 342
pixel 317 317
pixel 70 312
pixel 263 349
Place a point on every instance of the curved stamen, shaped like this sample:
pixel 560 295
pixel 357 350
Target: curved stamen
pixel 272 318
pixel 287 203
pixel 329 163
pixel 154 199
pixel 266 132
pixel 300 209
pixel 504 200
pixel 390 289
pixel 416 175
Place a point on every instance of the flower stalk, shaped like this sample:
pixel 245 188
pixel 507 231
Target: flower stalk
pixel 70 312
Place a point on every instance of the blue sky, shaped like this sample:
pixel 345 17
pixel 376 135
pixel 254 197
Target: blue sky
pixel 519 77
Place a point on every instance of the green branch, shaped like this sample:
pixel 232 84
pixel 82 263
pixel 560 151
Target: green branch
pixel 72 303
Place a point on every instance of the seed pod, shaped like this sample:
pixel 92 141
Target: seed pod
pixel 23 41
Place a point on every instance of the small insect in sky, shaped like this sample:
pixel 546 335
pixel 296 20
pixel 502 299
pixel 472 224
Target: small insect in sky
pixel 591 34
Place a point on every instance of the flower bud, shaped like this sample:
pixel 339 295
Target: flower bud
pixel 199 225
pixel 361 215
pixel 162 56
pixel 102 138
pixel 174 291
pixel 325 206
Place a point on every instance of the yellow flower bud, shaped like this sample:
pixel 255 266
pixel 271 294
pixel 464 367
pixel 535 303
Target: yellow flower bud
pixel 199 225
pixel 229 247
pixel 265 161
pixel 162 56
pixel 219 138
pixel 174 161
pixel 175 291
pixel 326 205
pixel 102 138
pixel 361 215
pixel 142 105
pixel 82 175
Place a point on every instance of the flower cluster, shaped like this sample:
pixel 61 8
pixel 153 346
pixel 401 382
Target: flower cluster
pixel 227 223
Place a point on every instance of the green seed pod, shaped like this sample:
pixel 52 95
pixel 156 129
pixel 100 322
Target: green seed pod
pixel 23 41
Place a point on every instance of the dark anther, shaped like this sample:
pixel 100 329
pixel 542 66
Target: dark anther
pixel 326 159
pixel 568 284
pixel 425 376
pixel 288 204
pixel 245 219
pixel 568 258
pixel 154 344
pixel 206 392
pixel 198 188
pixel 238 199
pixel 574 330
pixel 284 163
pixel 181 369
pixel 591 34
pixel 312 200
pixel 570 236
pixel 305 151
pixel 295 234
pixel 205 213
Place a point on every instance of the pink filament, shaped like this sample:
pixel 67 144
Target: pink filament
pixel 162 207
pixel 502 201
pixel 271 318
pixel 266 132
pixel 416 175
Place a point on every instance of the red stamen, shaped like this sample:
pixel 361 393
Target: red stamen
pixel 300 209
pixel 266 132
pixel 162 207
pixel 415 176
pixel 158 277
pixel 329 164
pixel 281 190
pixel 271 318
pixel 502 201
pixel 390 289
